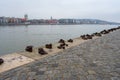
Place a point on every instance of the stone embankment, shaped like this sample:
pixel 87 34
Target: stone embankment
pixel 96 59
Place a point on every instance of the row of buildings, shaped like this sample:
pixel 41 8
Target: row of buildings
pixel 25 20
pixel 13 20
pixel 67 21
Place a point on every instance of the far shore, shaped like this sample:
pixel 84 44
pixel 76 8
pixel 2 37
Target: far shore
pixel 51 24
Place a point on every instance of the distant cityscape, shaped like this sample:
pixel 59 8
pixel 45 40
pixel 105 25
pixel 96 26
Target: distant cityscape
pixel 51 21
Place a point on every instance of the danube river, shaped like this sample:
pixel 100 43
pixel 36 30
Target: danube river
pixel 16 38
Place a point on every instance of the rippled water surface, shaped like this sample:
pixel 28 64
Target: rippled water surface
pixel 16 38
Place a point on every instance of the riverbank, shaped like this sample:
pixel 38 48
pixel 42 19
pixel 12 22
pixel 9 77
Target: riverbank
pixel 53 24
pixel 88 59
pixel 38 35
pixel 22 58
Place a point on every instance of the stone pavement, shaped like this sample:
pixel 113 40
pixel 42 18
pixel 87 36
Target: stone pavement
pixel 97 59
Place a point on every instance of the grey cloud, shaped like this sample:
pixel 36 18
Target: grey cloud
pixel 99 9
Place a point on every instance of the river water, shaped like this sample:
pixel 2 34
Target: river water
pixel 16 38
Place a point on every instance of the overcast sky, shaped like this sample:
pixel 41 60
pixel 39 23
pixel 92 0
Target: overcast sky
pixel 43 9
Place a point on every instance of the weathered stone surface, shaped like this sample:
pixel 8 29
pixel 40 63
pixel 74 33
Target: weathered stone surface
pixel 91 72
